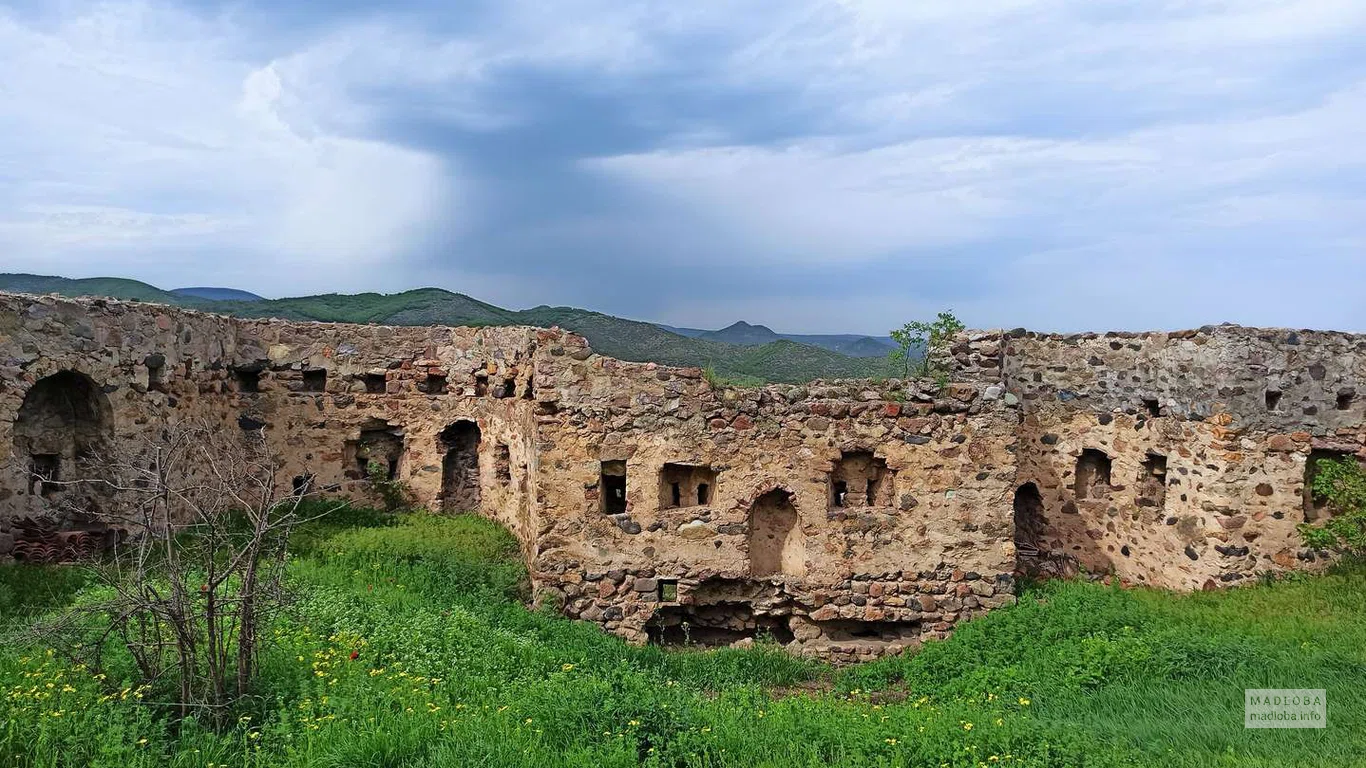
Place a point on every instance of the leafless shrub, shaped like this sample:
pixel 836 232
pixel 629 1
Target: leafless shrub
pixel 200 569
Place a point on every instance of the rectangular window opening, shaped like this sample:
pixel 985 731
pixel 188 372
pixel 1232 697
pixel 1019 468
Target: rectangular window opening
pixel 315 380
pixel 248 381
pixel 668 590
pixel 1273 399
pixel 502 463
pixel 683 485
pixel 376 383
pixel 612 487
pixel 434 384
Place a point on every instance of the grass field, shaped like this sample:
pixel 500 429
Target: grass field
pixel 409 646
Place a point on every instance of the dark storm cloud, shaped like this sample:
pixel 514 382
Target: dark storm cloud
pixel 812 165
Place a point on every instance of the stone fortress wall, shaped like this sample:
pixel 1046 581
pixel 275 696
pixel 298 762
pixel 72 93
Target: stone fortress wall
pixel 848 519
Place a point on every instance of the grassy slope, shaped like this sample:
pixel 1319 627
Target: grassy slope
pixel 451 672
pixel 781 361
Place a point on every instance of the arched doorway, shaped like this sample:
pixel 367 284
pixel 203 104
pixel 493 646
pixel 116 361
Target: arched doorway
pixel 1030 527
pixel 460 467
pixel 775 541
pixel 64 418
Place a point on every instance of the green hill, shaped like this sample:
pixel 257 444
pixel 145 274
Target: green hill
pixel 777 361
pixel 113 287
pixel 742 333
pixel 216 294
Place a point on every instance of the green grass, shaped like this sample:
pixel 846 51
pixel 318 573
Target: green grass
pixel 451 670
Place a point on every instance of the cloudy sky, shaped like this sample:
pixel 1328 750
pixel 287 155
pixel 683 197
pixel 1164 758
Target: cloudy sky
pixel 816 165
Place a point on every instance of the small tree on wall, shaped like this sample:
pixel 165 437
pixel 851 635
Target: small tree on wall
pixel 930 340
pixel 1341 482
pixel 200 571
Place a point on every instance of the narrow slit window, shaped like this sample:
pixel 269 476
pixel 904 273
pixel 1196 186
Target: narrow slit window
pixel 612 487
pixel 156 372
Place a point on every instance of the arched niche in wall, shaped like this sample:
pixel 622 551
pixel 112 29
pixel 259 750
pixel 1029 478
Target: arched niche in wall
pixel 1030 526
pixel 64 418
pixel 775 539
pixel 460 467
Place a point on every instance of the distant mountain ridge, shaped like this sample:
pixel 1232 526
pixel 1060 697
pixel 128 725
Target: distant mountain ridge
pixel 217 294
pixel 743 333
pixel 851 344
pixel 783 359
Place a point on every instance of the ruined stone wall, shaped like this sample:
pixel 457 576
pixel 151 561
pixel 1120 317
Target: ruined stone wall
pixel 845 518
pixel 1210 435
pixel 854 575
pixel 328 396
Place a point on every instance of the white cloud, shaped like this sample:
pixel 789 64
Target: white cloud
pixel 994 173
pixel 135 129
pixel 1061 141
